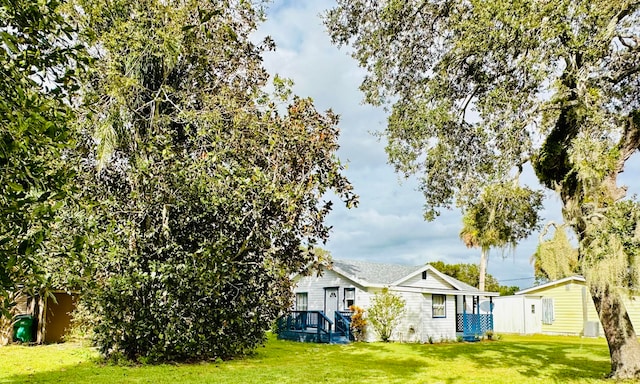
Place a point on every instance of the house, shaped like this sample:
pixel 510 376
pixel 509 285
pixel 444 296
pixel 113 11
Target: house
pixel 51 316
pixel 438 307
pixel 560 307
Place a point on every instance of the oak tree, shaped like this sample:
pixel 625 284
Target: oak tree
pixel 479 89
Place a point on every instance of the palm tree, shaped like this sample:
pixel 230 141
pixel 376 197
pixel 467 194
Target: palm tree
pixel 504 214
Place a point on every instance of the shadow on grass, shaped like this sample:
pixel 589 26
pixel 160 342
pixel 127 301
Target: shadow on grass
pixel 292 362
pixel 535 359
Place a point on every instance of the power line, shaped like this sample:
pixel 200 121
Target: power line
pixel 522 278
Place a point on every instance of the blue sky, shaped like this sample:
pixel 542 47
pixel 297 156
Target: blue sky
pixel 388 225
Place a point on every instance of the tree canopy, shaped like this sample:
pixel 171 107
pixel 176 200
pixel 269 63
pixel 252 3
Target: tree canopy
pixel 39 69
pixel 479 89
pixel 203 193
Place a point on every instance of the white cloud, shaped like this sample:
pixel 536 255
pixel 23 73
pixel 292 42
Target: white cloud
pixel 388 225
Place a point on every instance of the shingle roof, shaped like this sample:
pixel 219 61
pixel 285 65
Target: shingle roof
pixel 378 273
pixel 463 286
pixel 375 273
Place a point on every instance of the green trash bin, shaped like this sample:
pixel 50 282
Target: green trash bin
pixel 23 328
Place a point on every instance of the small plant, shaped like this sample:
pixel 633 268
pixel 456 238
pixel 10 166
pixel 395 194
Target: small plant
pixel 489 335
pixel 445 340
pixel 385 313
pixel 459 339
pixel 430 339
pixel 358 323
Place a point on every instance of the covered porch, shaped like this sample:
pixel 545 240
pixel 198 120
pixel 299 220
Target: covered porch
pixel 474 316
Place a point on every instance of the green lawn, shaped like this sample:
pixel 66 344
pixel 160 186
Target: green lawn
pixel 514 359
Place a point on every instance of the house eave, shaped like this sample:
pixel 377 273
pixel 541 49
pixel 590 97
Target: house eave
pixel 532 290
pixel 439 291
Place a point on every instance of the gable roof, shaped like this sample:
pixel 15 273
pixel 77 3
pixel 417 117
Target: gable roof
pixel 532 290
pixel 380 275
pixel 460 285
pixel 373 273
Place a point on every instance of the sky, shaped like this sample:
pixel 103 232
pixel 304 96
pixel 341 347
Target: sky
pixel 388 225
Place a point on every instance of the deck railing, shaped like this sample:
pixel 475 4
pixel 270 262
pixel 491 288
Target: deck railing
pixel 307 321
pixel 473 324
pixel 343 324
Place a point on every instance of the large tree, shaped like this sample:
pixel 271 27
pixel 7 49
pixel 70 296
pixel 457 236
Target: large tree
pixel 39 67
pixel 207 190
pixel 481 88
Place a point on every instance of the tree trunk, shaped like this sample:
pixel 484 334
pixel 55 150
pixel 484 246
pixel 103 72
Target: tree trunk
pixel 484 255
pixel 624 347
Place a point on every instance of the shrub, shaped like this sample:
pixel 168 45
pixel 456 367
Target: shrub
pixel 358 323
pixel 385 313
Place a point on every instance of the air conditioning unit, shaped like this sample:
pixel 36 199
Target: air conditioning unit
pixel 592 328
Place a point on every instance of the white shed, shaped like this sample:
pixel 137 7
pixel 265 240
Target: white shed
pixel 517 314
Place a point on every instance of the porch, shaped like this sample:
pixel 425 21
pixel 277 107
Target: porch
pixel 472 326
pixel 315 327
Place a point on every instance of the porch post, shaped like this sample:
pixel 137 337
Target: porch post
pixel 491 313
pixel 464 315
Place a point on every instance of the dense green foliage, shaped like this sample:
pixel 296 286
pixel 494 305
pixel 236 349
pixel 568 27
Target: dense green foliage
pixel 470 274
pixel 39 66
pixel 385 312
pixel 480 89
pixel 202 193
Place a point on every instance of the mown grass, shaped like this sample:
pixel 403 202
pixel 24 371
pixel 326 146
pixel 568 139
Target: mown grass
pixel 514 359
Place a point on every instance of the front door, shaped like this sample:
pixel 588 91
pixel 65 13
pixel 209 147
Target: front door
pixel 330 302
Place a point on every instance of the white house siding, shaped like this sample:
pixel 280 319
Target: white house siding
pixel 432 281
pixel 418 324
pixel 439 328
pixel 410 328
pixel 314 287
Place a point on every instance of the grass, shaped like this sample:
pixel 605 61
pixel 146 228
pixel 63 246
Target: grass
pixel 514 359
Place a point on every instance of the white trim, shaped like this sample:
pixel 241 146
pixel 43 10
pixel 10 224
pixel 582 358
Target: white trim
pixel 456 289
pixel 441 291
pixel 448 279
pixel 577 278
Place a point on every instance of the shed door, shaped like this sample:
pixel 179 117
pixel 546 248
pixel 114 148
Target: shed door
pixel 330 302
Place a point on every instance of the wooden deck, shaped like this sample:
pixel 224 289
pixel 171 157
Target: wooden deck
pixel 315 327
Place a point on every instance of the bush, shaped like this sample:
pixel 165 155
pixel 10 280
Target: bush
pixel 358 323
pixel 385 313
pixel 187 313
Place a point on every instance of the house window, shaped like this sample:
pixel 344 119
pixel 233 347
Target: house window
pixel 424 275
pixel 438 305
pixel 547 311
pixel 349 297
pixel 302 301
pixel 533 309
